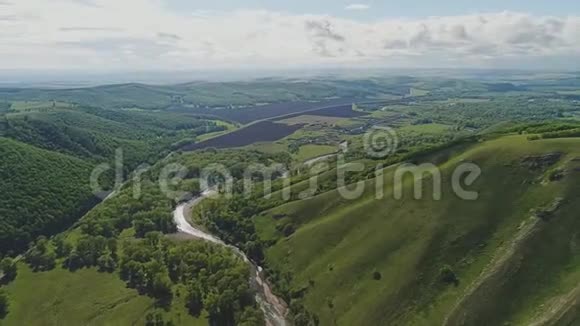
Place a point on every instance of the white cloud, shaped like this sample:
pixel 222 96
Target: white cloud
pixel 357 6
pixel 144 34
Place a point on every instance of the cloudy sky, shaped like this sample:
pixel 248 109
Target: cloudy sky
pixel 118 35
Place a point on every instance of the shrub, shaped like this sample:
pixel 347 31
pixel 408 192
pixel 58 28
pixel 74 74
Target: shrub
pixel 447 275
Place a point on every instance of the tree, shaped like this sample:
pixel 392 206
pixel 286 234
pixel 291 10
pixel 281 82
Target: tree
pixel 4 303
pixel 251 317
pixel 447 275
pixel 161 286
pixel 133 272
pixel 112 245
pixel 194 301
pixel 9 269
pixel 74 261
pixel 155 319
pixel 289 229
pixel 39 257
pixel 143 226
pixel 106 263
pixel 61 247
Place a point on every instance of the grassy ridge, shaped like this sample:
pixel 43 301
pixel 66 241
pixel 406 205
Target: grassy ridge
pixel 340 244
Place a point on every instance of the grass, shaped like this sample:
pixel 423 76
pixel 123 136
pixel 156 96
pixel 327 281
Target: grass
pixel 340 243
pixel 307 152
pixel 230 127
pixel 305 133
pixel 60 297
pixel 416 92
pixel 313 119
pixel 270 148
pixel 464 100
pixel 84 297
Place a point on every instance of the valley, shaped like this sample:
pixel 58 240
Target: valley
pixel 231 209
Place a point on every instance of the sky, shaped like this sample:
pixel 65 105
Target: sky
pixel 139 35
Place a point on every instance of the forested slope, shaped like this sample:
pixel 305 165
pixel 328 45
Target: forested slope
pixel 49 150
pixel 42 192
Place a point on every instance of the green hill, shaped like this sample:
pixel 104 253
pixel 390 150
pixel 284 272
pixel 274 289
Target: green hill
pixel 48 153
pixel 42 192
pixel 510 257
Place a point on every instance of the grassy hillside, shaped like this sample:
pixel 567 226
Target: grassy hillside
pixel 512 256
pixel 84 297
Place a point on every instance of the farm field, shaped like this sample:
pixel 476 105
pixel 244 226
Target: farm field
pixel 418 92
pixel 259 132
pixel 274 130
pixel 340 111
pixel 308 152
pixel 269 111
pixel 229 128
pixel 313 119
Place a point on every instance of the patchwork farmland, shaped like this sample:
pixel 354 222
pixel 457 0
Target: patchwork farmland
pixel 271 130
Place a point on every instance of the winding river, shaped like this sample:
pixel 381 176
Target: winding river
pixel 274 308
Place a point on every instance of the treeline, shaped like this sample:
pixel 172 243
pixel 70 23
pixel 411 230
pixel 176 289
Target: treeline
pixel 549 130
pixel 562 134
pixel 545 127
pixel 487 112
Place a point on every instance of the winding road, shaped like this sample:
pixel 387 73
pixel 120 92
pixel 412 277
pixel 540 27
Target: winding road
pixel 274 308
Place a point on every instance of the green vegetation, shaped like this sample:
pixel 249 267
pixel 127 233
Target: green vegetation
pixel 228 127
pixel 307 152
pixel 573 92
pixel 47 157
pixel 418 92
pixel 430 128
pixel 27 106
pixel 62 297
pixel 510 257
pixel 419 246
pixel 312 119
pixel 177 282
pixel 42 192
